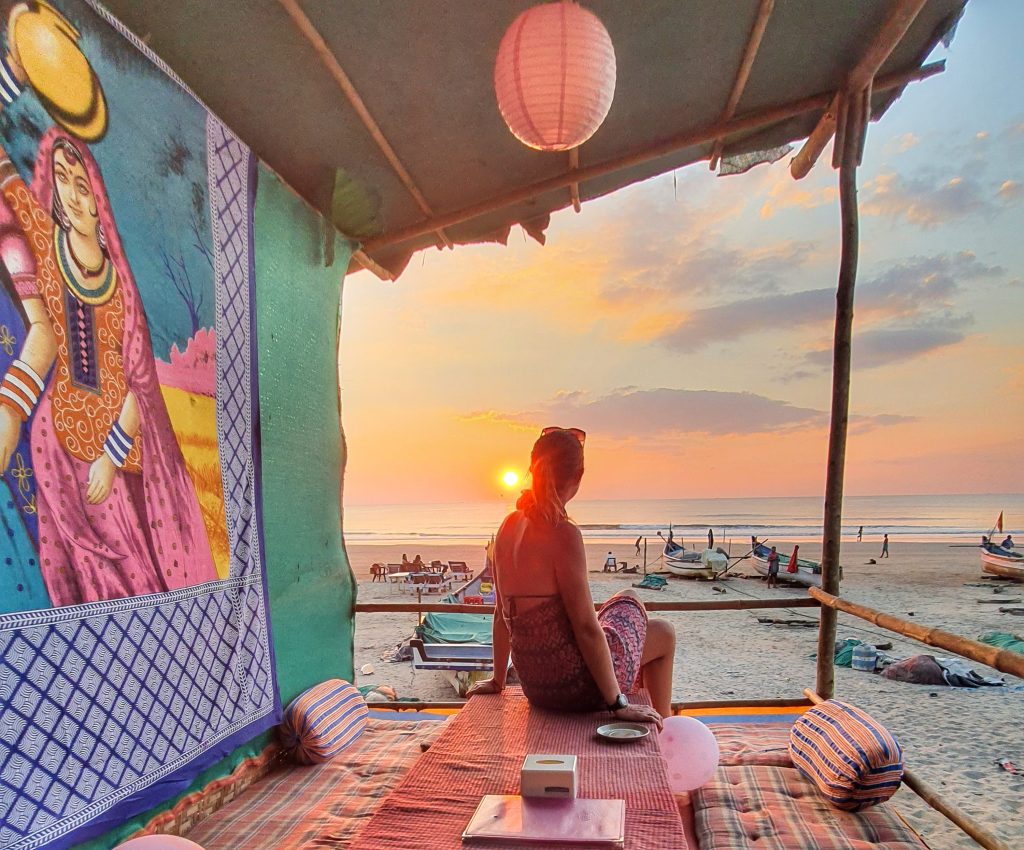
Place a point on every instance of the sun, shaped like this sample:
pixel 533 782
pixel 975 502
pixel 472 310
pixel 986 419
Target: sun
pixel 510 478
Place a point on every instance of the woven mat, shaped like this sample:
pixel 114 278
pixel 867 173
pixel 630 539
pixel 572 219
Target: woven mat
pixel 481 752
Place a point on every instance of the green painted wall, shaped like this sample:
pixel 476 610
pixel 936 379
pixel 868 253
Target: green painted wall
pixel 312 591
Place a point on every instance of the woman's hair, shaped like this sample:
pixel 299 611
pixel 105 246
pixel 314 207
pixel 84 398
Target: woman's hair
pixel 556 460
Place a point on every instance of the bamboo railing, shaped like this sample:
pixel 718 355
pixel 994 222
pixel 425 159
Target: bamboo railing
pixel 715 605
pixel 1001 659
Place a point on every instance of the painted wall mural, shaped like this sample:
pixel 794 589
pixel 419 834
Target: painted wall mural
pixel 134 636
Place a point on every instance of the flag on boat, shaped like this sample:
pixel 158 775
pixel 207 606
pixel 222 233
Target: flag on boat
pixel 999 523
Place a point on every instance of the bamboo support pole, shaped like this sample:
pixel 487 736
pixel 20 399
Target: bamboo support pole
pixel 757 119
pixel 764 11
pixel 715 605
pixel 901 15
pixel 950 811
pixel 1003 660
pixel 372 265
pixel 851 122
pixel 330 61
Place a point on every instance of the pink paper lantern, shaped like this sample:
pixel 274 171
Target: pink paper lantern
pixel 555 76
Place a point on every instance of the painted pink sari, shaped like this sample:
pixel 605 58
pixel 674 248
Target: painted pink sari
pixel 148 536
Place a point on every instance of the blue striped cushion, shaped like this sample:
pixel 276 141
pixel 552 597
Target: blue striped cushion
pixel 852 758
pixel 321 722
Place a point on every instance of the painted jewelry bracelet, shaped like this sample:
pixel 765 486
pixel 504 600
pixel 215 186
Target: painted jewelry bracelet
pixel 118 445
pixel 9 87
pixel 20 389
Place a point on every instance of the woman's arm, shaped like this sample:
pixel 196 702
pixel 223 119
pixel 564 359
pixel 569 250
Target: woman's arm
pixel 499 633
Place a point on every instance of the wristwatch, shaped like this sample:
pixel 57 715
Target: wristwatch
pixel 618 703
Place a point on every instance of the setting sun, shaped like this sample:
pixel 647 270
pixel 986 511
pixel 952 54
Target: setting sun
pixel 510 478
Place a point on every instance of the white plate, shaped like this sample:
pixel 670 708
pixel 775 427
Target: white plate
pixel 624 731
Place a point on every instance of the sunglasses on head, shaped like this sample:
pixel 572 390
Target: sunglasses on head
pixel 578 433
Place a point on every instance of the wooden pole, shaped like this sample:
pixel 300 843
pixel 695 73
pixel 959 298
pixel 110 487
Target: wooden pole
pixel 901 15
pixel 764 11
pixel 715 605
pixel 851 121
pixel 1003 660
pixel 372 265
pixel 932 797
pixel 757 119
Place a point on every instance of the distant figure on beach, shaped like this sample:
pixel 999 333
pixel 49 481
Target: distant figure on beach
pixel 773 569
pixel 711 539
pixel 417 563
pixel 609 563
pixel 567 657
pixel 885 546
pixel 641 537
pixel 860 534
pixel 406 563
pixel 1008 542
pixel 791 567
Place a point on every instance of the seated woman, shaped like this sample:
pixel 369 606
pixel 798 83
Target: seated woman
pixel 567 657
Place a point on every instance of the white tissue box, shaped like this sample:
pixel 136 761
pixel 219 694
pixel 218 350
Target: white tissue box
pixel 548 776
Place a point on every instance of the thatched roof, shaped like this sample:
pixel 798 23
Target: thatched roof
pixel 424 72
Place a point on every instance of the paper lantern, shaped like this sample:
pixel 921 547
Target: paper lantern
pixel 555 76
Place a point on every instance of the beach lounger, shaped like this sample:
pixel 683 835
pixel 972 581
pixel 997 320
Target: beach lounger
pixel 459 570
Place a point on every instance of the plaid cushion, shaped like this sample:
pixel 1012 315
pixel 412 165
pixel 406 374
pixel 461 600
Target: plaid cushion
pixel 853 759
pixel 776 808
pixel 321 722
pixel 323 805
pixel 749 743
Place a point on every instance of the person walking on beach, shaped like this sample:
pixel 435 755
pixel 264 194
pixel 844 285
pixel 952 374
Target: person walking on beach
pixel 885 546
pixel 711 539
pixel 860 534
pixel 641 537
pixel 567 657
pixel 773 569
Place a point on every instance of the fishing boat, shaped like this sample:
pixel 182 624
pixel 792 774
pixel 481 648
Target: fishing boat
pixel 691 563
pixel 808 573
pixel 1002 562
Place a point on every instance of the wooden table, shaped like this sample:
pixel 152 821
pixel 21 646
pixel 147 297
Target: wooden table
pixel 481 752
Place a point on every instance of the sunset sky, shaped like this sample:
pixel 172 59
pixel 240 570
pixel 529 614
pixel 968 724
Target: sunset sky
pixel 686 324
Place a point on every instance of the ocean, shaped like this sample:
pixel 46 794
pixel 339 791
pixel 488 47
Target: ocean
pixel 951 519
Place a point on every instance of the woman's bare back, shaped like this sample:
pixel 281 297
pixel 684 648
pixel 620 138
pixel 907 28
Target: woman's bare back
pixel 526 554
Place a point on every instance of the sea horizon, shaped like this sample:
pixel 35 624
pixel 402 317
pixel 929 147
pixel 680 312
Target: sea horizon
pixel 952 518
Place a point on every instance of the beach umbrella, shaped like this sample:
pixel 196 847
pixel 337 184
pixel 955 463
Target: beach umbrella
pixel 555 76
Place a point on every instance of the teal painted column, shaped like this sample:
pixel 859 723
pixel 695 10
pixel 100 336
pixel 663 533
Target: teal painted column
pixel 312 592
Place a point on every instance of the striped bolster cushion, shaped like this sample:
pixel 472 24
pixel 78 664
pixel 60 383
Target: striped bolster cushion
pixel 321 722
pixel 853 759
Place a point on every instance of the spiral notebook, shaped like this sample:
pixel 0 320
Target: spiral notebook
pixel 501 819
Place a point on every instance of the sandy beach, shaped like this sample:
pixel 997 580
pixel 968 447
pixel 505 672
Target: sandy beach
pixel 951 737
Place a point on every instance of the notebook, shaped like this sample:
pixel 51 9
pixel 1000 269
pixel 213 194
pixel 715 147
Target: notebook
pixel 500 819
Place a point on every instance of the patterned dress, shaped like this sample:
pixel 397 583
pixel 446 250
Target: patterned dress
pixel 548 661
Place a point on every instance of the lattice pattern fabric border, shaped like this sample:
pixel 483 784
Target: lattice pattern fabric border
pixel 111 707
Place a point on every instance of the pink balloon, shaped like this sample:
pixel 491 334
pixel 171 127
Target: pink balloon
pixel 691 753
pixel 159 842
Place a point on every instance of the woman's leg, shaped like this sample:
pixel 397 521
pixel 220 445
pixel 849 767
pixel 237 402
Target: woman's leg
pixel 656 664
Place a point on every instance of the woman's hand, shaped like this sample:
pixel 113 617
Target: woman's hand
pixel 487 686
pixel 639 714
pixel 101 479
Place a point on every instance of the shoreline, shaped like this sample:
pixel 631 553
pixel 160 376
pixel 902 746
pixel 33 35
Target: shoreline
pixel 951 737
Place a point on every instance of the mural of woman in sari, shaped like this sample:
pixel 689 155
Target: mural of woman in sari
pixel 118 515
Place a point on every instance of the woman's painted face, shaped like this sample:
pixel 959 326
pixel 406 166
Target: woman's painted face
pixel 75 192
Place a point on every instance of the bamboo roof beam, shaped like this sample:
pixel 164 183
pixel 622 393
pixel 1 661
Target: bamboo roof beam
pixel 754 120
pixel 901 16
pixel 312 35
pixel 949 810
pixel 764 11
pixel 574 188
pixel 371 265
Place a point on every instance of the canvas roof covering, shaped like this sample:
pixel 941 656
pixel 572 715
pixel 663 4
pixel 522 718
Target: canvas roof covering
pixel 424 69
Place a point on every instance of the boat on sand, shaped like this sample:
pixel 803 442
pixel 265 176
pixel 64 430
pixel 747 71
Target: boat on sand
pixel 998 561
pixel 691 563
